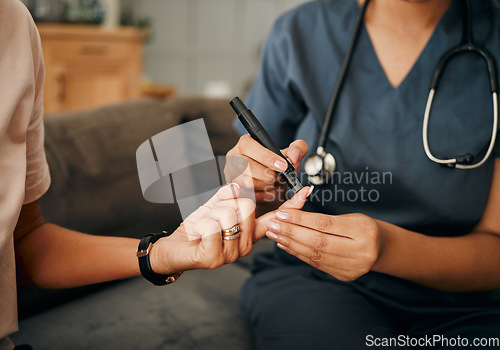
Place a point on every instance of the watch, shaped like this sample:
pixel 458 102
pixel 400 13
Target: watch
pixel 147 272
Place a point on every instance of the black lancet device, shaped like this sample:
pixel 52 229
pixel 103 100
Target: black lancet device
pixel 259 134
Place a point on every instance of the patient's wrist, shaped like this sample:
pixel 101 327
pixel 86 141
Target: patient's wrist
pixel 159 259
pixel 151 263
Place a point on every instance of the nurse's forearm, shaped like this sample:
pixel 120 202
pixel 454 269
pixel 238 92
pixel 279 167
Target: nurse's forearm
pixel 469 262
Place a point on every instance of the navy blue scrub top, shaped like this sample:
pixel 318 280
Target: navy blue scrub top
pixel 376 134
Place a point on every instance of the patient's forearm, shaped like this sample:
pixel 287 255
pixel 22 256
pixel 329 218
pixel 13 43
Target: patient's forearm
pixel 55 257
pixel 469 262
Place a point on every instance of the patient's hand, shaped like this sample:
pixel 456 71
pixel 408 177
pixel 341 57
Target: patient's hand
pixel 198 243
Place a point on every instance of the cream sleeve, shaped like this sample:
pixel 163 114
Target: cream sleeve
pixel 37 169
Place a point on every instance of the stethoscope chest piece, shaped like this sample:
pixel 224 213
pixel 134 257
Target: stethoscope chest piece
pixel 319 167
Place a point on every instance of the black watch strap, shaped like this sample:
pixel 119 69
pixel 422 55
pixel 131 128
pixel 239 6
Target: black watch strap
pixel 144 264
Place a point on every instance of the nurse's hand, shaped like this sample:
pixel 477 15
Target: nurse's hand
pixel 296 202
pixel 198 243
pixel 263 166
pixel 345 246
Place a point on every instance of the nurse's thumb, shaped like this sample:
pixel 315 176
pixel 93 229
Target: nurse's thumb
pixel 299 199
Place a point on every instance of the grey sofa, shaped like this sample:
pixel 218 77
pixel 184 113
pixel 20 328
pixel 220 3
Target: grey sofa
pixel 95 189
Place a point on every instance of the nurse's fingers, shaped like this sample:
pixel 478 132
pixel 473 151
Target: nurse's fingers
pixel 290 235
pixel 298 200
pixel 358 227
pixel 319 258
pixel 296 152
pixel 261 191
pixel 331 224
pixel 259 171
pixel 335 270
pixel 296 203
pixel 257 180
pixel 258 153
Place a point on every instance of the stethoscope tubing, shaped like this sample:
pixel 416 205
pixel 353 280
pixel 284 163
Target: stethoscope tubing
pixel 466 45
pixel 453 161
pixel 340 81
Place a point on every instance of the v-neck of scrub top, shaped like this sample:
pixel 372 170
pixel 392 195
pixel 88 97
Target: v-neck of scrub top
pixel 373 53
pixel 366 78
pixel 368 43
pixel 365 58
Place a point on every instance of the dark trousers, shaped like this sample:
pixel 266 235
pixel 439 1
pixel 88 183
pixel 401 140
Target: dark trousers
pixel 294 306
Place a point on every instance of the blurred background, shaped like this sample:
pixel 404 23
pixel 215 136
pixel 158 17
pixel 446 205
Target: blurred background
pixel 100 52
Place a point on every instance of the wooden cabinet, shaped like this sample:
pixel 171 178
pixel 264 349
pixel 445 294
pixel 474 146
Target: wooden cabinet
pixel 90 66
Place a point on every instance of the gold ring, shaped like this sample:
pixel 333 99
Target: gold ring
pixel 231 237
pixel 231 231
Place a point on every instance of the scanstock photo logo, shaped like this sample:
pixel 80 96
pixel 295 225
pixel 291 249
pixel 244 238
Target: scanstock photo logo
pixel 349 186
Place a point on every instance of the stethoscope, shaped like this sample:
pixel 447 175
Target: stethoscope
pixel 320 166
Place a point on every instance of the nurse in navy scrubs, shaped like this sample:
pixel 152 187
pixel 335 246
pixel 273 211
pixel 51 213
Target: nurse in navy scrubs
pixel 395 246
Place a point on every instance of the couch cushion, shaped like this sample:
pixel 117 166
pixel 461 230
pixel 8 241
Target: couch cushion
pixel 200 311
